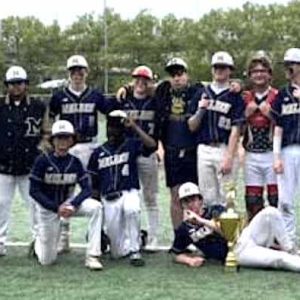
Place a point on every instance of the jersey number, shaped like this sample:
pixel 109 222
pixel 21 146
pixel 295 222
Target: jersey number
pixel 224 123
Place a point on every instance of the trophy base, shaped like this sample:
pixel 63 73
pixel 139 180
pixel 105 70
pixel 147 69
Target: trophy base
pixel 231 264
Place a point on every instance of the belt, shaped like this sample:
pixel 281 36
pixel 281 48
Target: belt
pixel 113 196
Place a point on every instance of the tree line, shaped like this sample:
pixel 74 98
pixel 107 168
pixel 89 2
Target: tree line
pixel 43 49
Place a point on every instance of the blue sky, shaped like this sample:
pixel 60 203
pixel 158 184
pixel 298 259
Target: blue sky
pixel 67 11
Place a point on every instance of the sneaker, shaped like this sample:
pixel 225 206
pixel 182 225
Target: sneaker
pixel 136 259
pixel 93 263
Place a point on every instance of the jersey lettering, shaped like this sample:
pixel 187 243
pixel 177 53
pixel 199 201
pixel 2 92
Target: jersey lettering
pixel 113 160
pixel 60 178
pixel 33 126
pixel 219 106
pixel 73 108
pixel 290 109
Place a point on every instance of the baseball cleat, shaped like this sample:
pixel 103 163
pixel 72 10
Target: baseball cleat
pixel 93 263
pixel 152 245
pixel 136 259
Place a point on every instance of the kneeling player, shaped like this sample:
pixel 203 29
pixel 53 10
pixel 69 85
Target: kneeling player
pixel 53 180
pixel 255 247
pixel 197 229
pixel 113 167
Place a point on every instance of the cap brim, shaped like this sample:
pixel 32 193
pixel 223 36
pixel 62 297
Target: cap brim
pixel 15 80
pixel 171 68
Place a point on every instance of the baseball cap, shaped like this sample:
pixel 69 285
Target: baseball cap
pixel 222 58
pixel 15 74
pixel 188 189
pixel 292 55
pixel 77 61
pixel 142 71
pixel 176 63
pixel 62 127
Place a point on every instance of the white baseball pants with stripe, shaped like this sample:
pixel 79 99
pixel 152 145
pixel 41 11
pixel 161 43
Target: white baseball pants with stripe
pixel 49 231
pixel 123 223
pixel 8 184
pixel 211 181
pixel 148 174
pixel 253 247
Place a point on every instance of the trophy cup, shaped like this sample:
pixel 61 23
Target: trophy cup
pixel 230 225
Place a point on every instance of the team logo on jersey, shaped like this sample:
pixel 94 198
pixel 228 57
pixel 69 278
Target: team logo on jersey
pixel 65 100
pixel 50 169
pixel 61 178
pixel 33 126
pixel 178 106
pixel 113 160
pixel 286 99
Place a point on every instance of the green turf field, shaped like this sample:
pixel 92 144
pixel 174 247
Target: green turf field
pixel 22 278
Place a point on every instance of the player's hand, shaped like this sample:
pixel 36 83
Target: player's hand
pixel 236 86
pixel 226 165
pixel 265 107
pixel 129 123
pixel 196 261
pixel 252 106
pixel 203 103
pixel 66 210
pixel 278 166
pixel 121 94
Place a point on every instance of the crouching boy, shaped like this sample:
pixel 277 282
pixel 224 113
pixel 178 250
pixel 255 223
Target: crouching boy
pixel 113 167
pixel 52 184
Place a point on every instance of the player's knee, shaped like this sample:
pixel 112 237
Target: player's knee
pixel 271 212
pixel 94 208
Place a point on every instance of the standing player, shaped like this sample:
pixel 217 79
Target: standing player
pixel 140 106
pixel 179 144
pixel 286 147
pixel 198 229
pixel 53 180
pixel 218 114
pixel 258 137
pixel 113 167
pixel 80 105
pixel 21 121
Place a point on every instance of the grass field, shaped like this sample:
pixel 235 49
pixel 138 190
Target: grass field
pixel 23 278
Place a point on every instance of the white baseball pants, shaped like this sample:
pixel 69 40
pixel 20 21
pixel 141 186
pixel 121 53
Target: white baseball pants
pixel 49 231
pixel 148 174
pixel 123 223
pixel 8 184
pixel 211 181
pixel 258 169
pixel 288 185
pixel 253 247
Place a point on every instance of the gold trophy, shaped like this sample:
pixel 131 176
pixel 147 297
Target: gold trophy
pixel 230 225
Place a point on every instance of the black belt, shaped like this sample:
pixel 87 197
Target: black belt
pixel 113 196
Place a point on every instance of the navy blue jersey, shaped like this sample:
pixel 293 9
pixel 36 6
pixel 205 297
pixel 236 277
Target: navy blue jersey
pixel 173 115
pixel 116 166
pixel 210 243
pixel 143 111
pixel 53 180
pixel 286 113
pixel 20 134
pixel 81 110
pixel 224 111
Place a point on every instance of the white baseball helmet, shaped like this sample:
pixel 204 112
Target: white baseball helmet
pixel 77 61
pixel 176 62
pixel 292 55
pixel 188 189
pixel 143 71
pixel 222 58
pixel 15 74
pixel 62 127
pixel 118 114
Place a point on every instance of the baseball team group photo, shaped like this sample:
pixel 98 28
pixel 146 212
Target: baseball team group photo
pixel 162 162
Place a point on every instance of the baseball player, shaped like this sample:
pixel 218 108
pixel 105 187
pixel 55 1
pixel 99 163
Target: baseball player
pixel 255 247
pixel 52 184
pixel 113 167
pixel 21 123
pixel 140 105
pixel 198 229
pixel 258 136
pixel 80 105
pixel 179 144
pixel 218 114
pixel 286 142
